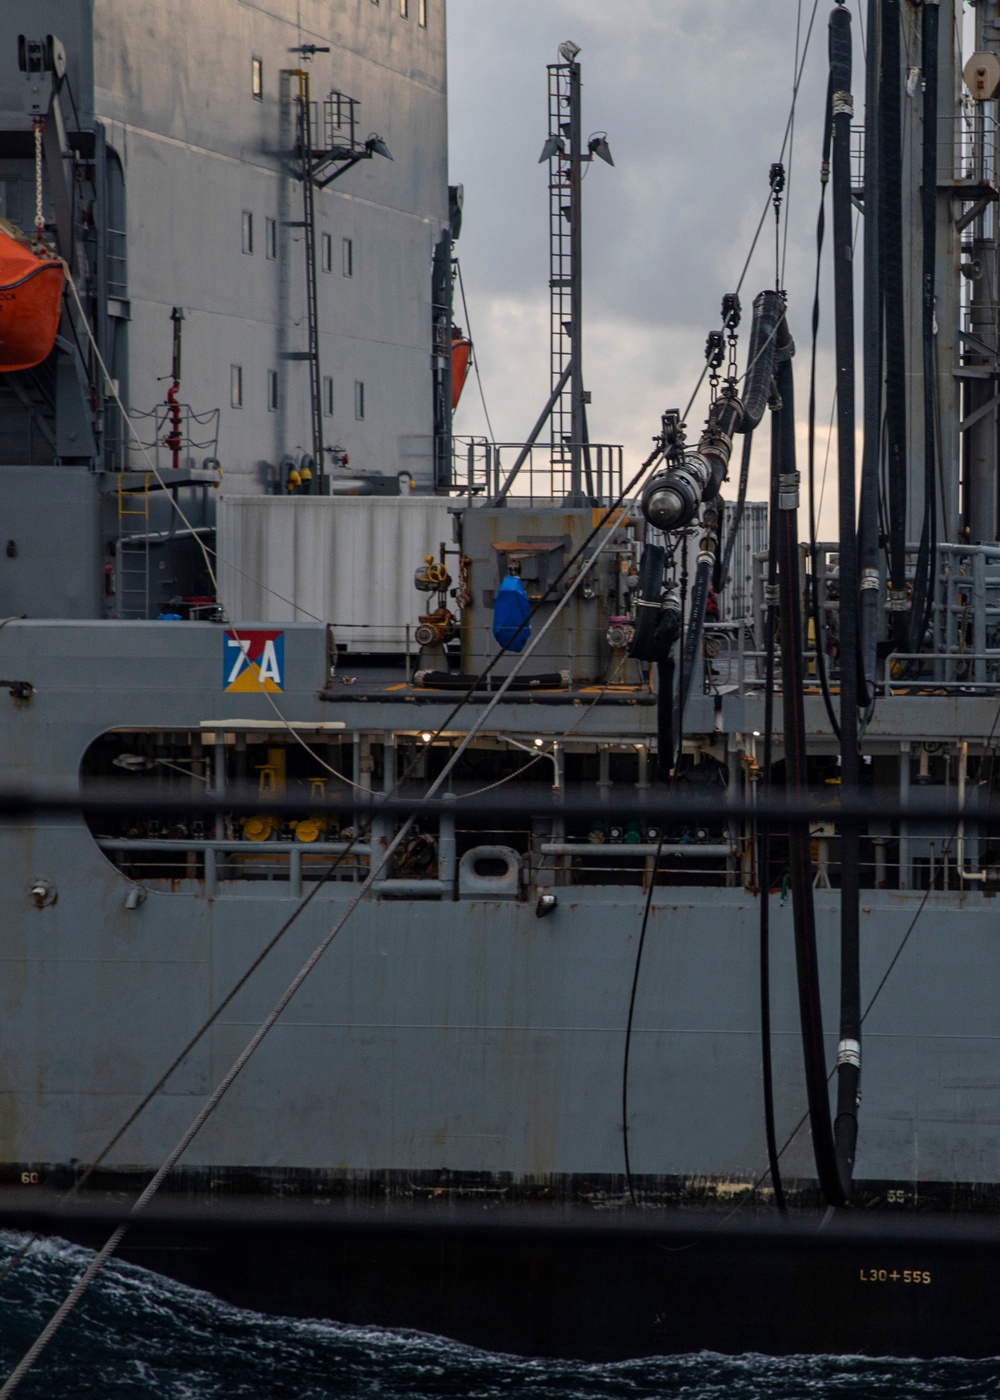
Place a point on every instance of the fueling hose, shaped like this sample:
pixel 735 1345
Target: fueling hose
pixel 796 777
pixel 849 1046
pixel 672 498
pixel 764 837
pixel 923 584
pixel 741 497
pixel 871 336
pixel 891 279
pixel 815 610
pixel 657 626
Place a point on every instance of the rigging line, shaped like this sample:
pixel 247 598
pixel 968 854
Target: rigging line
pixel 631 1013
pixel 791 151
pixel 475 354
pixel 172 496
pixel 222 1088
pixel 206 1026
pixel 784 142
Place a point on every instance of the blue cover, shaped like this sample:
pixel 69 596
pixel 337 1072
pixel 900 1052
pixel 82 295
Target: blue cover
pixel 510 614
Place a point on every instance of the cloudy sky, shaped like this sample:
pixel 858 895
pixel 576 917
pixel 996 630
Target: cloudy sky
pixel 694 96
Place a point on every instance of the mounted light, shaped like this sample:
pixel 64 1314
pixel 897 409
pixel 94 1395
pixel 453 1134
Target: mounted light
pixel 539 743
pixel 598 146
pixel 554 146
pixel 427 736
pixel 568 50
pixel 377 146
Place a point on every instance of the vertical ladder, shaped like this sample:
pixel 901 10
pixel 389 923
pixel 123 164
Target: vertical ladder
pixel 132 581
pixel 312 297
pixel 560 272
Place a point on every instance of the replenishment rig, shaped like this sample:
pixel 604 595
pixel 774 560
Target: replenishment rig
pixel 597 791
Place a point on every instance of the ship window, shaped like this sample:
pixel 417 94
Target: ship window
pixel 257 78
pixel 348 257
pixel 10 200
pixel 404 8
pixel 328 391
pixel 247 231
pixel 236 385
pixel 272 390
pixel 422 13
pixel 327 247
pixel 359 399
pixel 271 238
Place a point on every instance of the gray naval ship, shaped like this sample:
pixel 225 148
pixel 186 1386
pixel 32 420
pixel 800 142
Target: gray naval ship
pixel 559 1085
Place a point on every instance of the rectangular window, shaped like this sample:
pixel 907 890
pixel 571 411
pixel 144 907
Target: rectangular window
pixel 328 386
pixel 348 257
pixel 271 238
pixel 236 385
pixel 326 252
pixel 359 399
pixel 247 231
pixel 404 8
pixel 257 78
pixel 422 13
pixel 272 391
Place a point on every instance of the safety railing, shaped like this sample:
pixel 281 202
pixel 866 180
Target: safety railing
pixel 544 471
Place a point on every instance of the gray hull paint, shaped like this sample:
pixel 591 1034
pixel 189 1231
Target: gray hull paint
pixel 460 1035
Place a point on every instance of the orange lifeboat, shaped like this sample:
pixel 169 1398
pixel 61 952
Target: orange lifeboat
pixel 461 354
pixel 30 299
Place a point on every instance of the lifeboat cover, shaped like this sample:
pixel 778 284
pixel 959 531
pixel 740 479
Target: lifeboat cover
pixel 30 298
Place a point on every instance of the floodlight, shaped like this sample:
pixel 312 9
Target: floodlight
pixel 553 147
pixel 377 146
pixel 568 50
pixel 598 146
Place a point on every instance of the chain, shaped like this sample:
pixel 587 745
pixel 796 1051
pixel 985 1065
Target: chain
pixel 37 125
pixel 777 179
pixel 715 353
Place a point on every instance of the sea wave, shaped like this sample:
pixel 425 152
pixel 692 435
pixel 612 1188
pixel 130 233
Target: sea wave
pixel 137 1334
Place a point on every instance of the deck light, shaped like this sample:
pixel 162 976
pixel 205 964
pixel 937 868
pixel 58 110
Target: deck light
pixel 568 50
pixel 554 146
pixel 598 146
pixel 377 146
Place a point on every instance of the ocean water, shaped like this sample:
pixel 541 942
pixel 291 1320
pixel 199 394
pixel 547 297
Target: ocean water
pixel 138 1335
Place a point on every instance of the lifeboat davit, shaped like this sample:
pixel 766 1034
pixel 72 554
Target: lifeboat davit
pixel 31 290
pixel 461 353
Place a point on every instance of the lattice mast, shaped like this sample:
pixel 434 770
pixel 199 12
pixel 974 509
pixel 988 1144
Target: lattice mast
pixel 566 154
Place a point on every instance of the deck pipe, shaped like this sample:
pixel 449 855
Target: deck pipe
pixel 891 280
pixel 923 586
pixel 849 1046
pixel 871 338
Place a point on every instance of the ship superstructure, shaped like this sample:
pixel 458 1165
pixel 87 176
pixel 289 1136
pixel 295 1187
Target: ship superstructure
pixel 535 621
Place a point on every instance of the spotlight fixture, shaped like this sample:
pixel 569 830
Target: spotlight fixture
pixel 568 50
pixel 598 146
pixel 377 146
pixel 554 146
pixel 427 736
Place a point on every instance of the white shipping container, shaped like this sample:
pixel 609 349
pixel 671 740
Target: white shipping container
pixel 344 560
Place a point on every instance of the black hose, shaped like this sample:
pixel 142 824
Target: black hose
pixel 923 584
pixel 796 779
pixel 692 641
pixel 741 498
pixel 764 840
pixel 868 516
pixel 768 309
pixel 849 1048
pixel 815 610
pixel 656 631
pixel 891 280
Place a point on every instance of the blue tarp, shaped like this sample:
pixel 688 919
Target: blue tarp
pixel 510 614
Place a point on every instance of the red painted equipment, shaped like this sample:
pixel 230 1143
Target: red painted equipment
pixel 30 299
pixel 461 356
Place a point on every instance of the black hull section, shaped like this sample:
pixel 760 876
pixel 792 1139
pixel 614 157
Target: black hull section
pixel 558 1282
